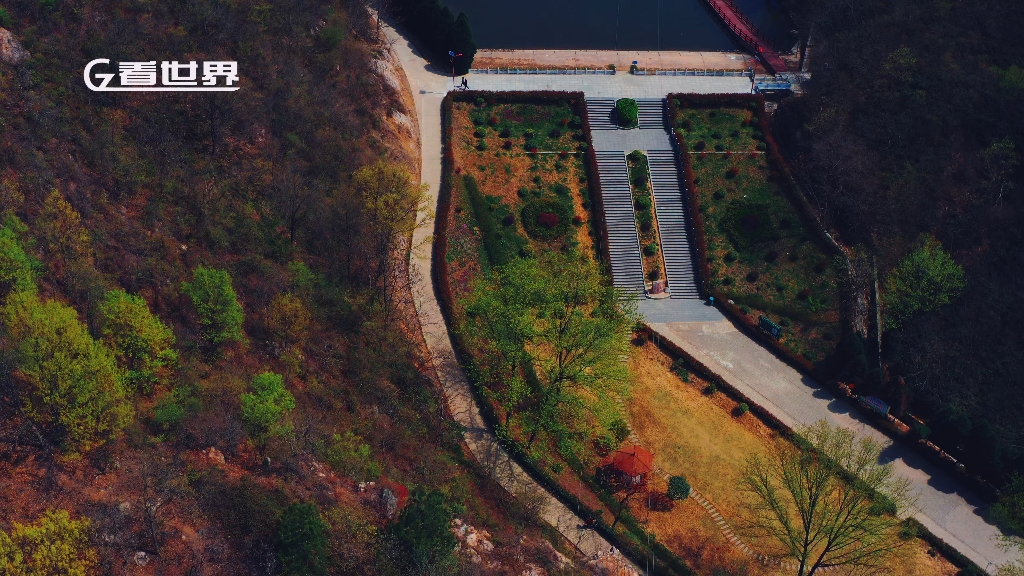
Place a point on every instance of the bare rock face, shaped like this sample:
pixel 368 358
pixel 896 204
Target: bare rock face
pixel 11 51
pixel 611 563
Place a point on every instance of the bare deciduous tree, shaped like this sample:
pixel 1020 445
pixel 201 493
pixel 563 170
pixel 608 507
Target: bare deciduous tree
pixel 833 506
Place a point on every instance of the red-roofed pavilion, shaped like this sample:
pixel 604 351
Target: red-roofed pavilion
pixel 635 463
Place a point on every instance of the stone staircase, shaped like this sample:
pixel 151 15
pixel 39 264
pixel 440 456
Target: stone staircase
pixel 602 113
pixel 652 114
pixel 673 226
pixel 623 242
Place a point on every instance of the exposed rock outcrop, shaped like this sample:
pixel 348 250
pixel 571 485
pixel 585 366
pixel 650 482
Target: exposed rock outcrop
pixel 11 51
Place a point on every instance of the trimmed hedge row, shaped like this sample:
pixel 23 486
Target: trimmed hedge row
pixel 666 562
pixel 805 211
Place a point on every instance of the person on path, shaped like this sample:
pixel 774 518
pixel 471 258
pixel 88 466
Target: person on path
pixel 465 83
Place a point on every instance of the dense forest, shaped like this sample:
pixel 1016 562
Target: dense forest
pixel 909 141
pixel 208 359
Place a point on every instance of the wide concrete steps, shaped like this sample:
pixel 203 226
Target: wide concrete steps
pixel 620 221
pixel 602 113
pixel 673 224
pixel 652 114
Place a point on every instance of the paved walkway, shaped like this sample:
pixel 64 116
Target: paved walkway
pixel 944 506
pixel 622 59
pixel 617 86
pixel 481 441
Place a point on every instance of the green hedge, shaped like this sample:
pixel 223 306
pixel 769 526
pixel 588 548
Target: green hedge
pixel 627 113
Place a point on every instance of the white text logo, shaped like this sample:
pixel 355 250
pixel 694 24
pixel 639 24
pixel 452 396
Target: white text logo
pixel 173 76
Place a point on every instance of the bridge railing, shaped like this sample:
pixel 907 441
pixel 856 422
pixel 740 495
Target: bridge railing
pixel 559 71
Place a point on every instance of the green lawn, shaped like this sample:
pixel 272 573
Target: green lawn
pixel 761 253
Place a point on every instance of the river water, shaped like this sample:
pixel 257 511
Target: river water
pixel 614 24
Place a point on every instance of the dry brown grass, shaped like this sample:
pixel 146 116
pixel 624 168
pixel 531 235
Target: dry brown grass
pixel 698 437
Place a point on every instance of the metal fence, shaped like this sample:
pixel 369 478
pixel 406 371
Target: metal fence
pixel 569 71
pixel 646 72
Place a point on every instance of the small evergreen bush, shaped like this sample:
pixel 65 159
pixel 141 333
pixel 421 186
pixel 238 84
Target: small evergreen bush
pixel 627 113
pixel 678 488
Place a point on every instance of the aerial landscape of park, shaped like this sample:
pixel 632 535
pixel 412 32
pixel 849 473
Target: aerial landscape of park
pixel 428 287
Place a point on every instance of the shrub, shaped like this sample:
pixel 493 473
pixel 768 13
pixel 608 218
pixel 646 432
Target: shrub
pixel 507 145
pixel 546 219
pixel 679 368
pixel 68 383
pixel 583 146
pixel 141 343
pixel 481 146
pixel 627 113
pixel 762 146
pixel 730 256
pixel 635 156
pixel 423 532
pixel 753 276
pixel 523 192
pixel 263 409
pixel 528 134
pixel 757 135
pixel 563 154
pixel 732 172
pixel 350 456
pixel 508 220
pixel 710 389
pixel 734 133
pixel 505 133
pixel 754 121
pixel 700 145
pixel 302 541
pixel 577 221
pixel 771 256
pixel 643 203
pixel 479 133
pixel 576 122
pixel 659 502
pixel 727 281
pixel 919 431
pixel 908 530
pixel 556 133
pixel 678 488
pixel 220 314
pixel 603 445
pixel 493 121
pixel 533 149
pixel 619 430
pixel 745 309
pixel 716 135
pixel 18 270
pixel 719 194
pixel 804 294
pixel 479 102
pixel 654 274
pixel 719 147
pixel 651 249
pixel 742 409
pixel 785 322
pixel 821 266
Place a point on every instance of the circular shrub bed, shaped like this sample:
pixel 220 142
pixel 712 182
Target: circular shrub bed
pixel 546 219
pixel 700 145
pixel 627 113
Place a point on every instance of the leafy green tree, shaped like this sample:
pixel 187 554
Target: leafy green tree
pixel 835 506
pixel 678 488
pixel 1008 512
pixel 68 382
pixel 460 40
pixel 627 112
pixel 302 540
pixel 141 342
pixel 423 532
pixel 18 270
pixel 54 544
pixel 60 231
pixel 555 323
pixel 216 303
pixel 264 409
pixel 925 280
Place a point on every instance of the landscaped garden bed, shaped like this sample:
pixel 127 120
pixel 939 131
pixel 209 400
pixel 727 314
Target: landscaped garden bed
pixel 762 253
pixel 519 214
pixel 646 221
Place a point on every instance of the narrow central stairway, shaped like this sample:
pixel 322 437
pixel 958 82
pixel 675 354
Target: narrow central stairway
pixel 671 209
pixel 623 243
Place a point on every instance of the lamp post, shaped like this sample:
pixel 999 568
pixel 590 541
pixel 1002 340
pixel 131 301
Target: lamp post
pixel 452 55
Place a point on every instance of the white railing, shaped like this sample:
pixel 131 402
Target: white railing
pixel 569 71
pixel 646 72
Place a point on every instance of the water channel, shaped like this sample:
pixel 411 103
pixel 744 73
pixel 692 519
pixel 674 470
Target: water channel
pixel 615 24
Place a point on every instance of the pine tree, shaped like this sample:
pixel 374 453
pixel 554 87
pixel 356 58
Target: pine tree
pixel 461 40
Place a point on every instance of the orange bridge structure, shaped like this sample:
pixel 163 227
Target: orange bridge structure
pixel 748 34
